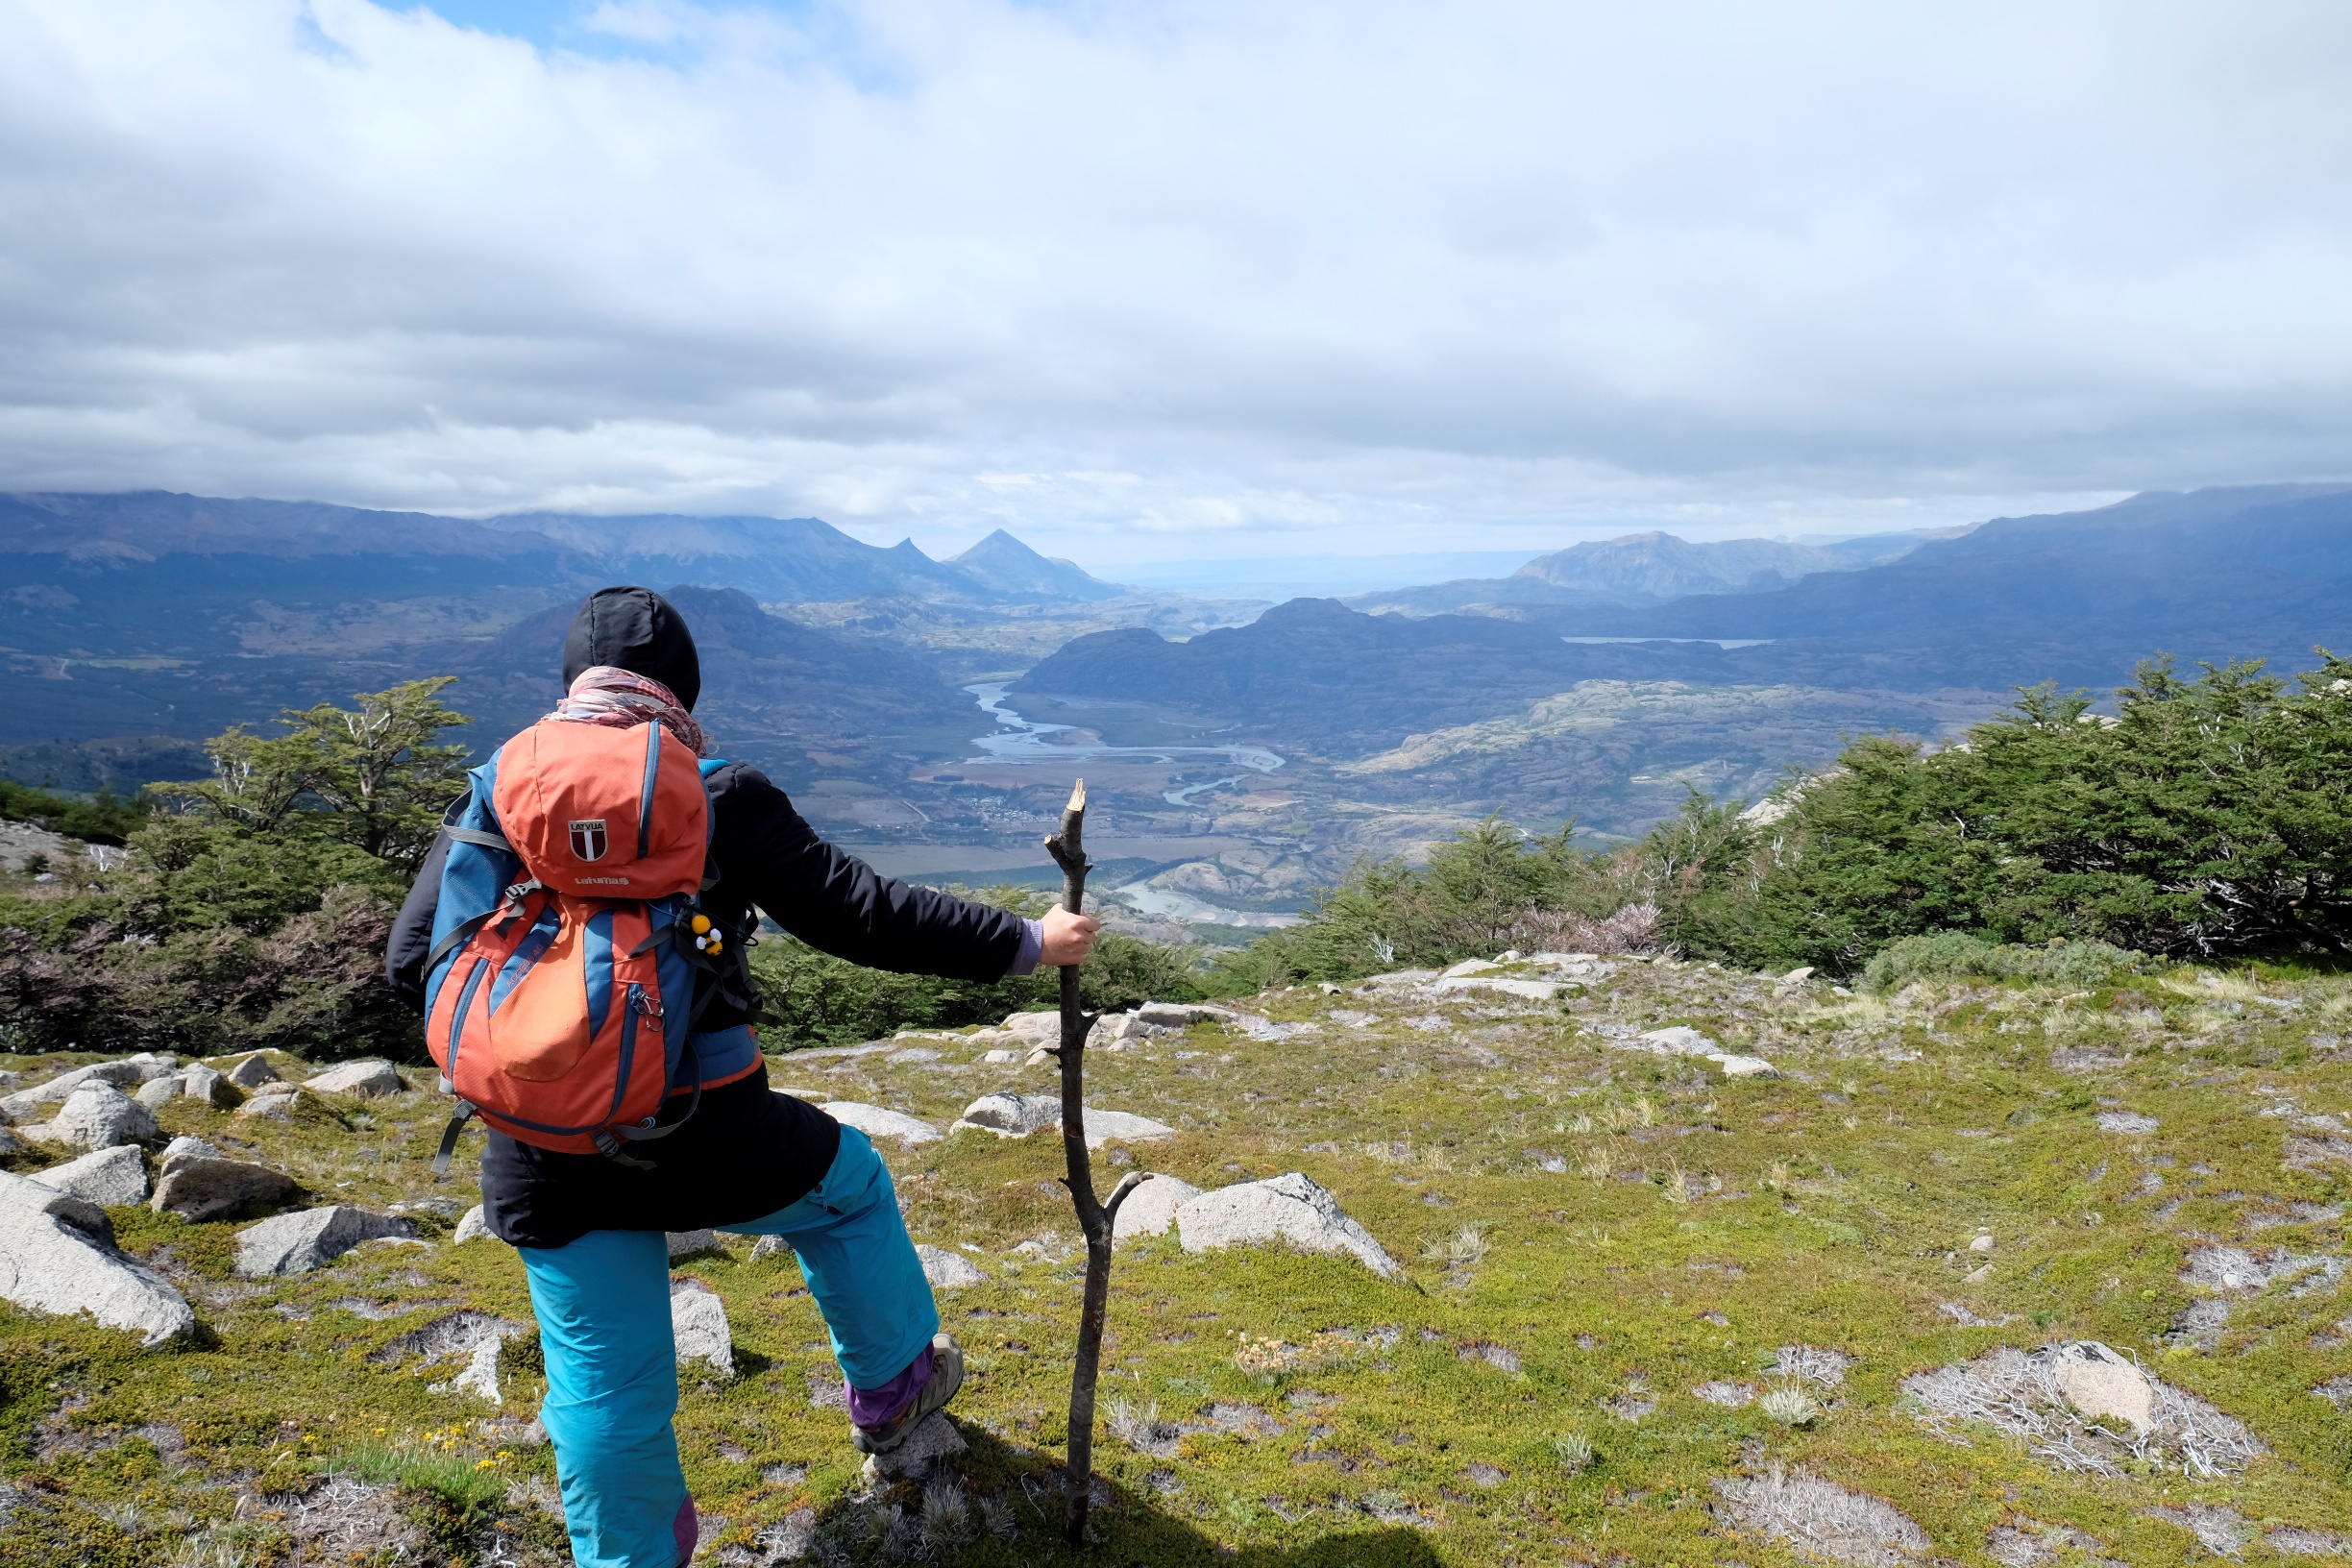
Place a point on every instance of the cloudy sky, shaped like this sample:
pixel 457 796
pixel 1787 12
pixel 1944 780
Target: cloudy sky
pixel 1151 281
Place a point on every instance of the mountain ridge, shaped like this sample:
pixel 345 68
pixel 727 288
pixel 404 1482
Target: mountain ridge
pixel 1650 568
pixel 774 559
pixel 2228 572
pixel 2247 572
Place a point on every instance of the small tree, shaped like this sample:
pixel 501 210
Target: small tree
pixel 375 777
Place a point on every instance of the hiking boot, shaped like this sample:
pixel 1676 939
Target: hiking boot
pixel 946 1377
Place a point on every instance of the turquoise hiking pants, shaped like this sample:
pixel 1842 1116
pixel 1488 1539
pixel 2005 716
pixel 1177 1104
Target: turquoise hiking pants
pixel 603 1309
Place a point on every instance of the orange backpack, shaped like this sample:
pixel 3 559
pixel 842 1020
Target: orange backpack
pixel 560 989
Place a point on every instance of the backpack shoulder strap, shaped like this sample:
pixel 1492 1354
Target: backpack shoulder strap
pixel 474 883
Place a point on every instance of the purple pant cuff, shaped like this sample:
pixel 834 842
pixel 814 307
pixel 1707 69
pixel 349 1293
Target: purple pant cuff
pixel 874 1406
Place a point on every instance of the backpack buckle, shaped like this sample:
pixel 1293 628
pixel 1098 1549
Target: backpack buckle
pixel 610 1148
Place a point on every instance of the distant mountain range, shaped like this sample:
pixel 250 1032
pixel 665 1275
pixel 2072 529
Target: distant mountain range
pixel 2240 571
pixel 1600 680
pixel 62 537
pixel 1650 568
pixel 2248 572
pixel 153 614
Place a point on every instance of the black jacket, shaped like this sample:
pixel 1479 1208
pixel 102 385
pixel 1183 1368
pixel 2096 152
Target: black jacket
pixel 745 1152
pixel 769 859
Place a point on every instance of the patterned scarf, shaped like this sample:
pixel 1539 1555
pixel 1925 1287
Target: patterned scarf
pixel 607 695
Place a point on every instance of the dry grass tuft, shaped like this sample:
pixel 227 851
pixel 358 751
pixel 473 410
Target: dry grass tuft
pixel 1820 1516
pixel 1792 1407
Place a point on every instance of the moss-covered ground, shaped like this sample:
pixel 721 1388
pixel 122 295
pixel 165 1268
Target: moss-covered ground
pixel 1591 1231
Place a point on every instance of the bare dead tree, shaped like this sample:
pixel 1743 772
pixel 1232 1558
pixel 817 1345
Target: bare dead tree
pixel 1095 1216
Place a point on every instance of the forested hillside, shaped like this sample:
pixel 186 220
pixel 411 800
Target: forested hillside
pixel 2206 817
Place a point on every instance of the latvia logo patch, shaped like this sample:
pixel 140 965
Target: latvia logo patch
pixel 588 839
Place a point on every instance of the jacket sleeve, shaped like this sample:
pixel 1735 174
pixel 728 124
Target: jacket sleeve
pixel 412 928
pixel 838 904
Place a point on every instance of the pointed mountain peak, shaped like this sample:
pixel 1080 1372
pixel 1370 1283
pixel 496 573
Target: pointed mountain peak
pixel 999 546
pixel 1002 564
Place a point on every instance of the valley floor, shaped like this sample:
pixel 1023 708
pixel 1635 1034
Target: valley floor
pixel 1656 1312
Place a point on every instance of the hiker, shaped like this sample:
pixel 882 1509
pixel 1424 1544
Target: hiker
pixel 720 1150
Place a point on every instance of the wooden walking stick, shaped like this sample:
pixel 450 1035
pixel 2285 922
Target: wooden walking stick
pixel 1095 1216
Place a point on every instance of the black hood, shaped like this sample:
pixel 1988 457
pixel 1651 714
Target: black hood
pixel 638 630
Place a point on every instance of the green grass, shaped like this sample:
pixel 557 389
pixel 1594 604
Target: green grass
pixel 1478 1414
pixel 459 1474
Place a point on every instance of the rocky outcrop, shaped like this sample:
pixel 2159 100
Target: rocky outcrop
pixel 298 1243
pixel 1012 1116
pixel 2097 1381
pixel 947 1271
pixel 197 1182
pixel 29 1104
pixel 471 1228
pixel 254 1071
pixel 1288 1207
pixel 1018 1116
pixel 209 1085
pixel 106 1178
pixel 481 1375
pixel 1534 991
pixel 58 1255
pixel 1681 1040
pixel 1151 1208
pixel 876 1122
pixel 1181 1014
pixel 1036 1028
pixel 97 1115
pixel 275 1100
pixel 363 1079
pixel 698 1326
pixel 1103 1127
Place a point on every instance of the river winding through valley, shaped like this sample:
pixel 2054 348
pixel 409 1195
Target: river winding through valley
pixel 1020 739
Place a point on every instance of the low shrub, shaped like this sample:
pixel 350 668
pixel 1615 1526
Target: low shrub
pixel 809 998
pixel 1945 955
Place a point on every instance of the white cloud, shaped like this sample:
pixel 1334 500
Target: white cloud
pixel 1351 276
